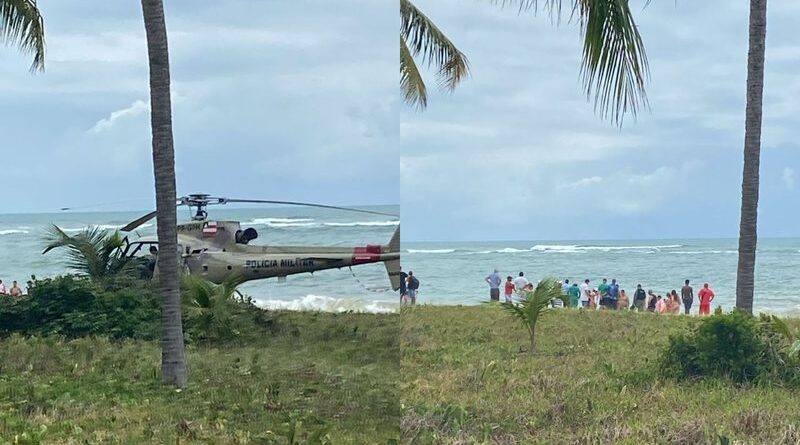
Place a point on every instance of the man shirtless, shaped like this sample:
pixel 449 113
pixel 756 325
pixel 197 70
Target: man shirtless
pixel 687 295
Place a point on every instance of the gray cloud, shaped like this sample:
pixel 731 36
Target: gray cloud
pixel 517 152
pixel 292 100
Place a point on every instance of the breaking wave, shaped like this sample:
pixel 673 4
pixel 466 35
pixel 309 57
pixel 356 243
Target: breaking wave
pixel 280 222
pixel 329 304
pixel 13 232
pixel 362 223
pixel 559 248
pixel 430 250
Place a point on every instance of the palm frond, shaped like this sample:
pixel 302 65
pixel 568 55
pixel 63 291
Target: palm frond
pixel 411 83
pixel 92 252
pixel 614 68
pixel 22 25
pixel 423 38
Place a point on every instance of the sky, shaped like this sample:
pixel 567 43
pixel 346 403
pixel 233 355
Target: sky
pixel 271 99
pixel 517 152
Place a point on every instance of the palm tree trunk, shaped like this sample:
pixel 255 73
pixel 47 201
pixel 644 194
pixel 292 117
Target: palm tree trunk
pixel 173 361
pixel 745 276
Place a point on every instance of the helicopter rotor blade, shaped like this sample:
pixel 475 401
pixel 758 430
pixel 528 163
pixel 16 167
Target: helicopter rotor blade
pixel 304 204
pixel 138 222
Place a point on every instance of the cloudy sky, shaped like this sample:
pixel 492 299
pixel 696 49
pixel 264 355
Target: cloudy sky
pixel 517 152
pixel 272 99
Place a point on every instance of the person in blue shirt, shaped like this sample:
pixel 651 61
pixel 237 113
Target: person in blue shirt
pixel 613 294
pixel 494 281
pixel 565 287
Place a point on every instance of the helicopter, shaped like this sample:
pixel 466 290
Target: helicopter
pixel 217 250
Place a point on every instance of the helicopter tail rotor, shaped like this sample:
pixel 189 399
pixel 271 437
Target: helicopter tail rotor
pixel 393 266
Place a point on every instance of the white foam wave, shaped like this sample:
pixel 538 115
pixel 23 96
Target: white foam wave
pixel 13 232
pixel 363 223
pixel 430 250
pixel 561 248
pixel 702 252
pixel 512 250
pixel 329 304
pixel 271 221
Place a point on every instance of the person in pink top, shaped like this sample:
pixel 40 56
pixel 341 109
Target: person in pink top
pixel 661 305
pixel 706 296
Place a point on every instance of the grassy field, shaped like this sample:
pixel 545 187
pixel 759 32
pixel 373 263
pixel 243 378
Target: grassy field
pixel 324 370
pixel 466 377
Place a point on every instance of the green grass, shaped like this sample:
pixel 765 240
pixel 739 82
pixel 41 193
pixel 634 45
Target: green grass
pixel 466 377
pixel 339 370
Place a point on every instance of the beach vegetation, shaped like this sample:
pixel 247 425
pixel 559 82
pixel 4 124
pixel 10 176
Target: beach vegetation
pixel 736 347
pixel 535 304
pixel 595 379
pixel 80 363
pixel 95 253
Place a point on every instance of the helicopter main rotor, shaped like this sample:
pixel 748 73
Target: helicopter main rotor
pixel 200 201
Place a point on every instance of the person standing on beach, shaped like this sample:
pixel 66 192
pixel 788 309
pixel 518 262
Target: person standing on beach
pixel 574 295
pixel 565 287
pixel 413 285
pixel 520 283
pixel 687 295
pixel 403 286
pixel 612 292
pixel 2 288
pixel 585 294
pixel 15 290
pixel 509 291
pixel 602 291
pixel 639 298
pixel 706 296
pixel 651 303
pixel 494 281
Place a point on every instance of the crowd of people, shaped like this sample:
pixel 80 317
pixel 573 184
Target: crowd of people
pixel 609 296
pixel 15 290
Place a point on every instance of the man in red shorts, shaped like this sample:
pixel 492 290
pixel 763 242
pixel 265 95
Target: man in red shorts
pixel 706 296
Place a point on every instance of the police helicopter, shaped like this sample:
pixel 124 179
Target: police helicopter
pixel 216 250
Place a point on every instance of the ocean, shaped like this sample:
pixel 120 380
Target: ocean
pixel 453 273
pixel 366 288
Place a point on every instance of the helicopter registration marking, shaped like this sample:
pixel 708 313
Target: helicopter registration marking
pixel 285 262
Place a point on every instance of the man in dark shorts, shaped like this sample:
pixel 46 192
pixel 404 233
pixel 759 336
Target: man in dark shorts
pixel 639 298
pixel 494 281
pixel 687 295
pixel 612 294
pixel 413 285
pixel 403 286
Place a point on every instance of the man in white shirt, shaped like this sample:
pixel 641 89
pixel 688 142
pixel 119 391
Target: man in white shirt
pixel 2 288
pixel 585 293
pixel 519 283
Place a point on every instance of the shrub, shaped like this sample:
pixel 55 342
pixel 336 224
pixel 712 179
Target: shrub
pixel 736 346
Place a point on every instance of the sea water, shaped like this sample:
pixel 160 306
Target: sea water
pixel 454 273
pixel 362 288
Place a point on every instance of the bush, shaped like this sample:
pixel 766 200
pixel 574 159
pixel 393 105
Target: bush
pixel 75 307
pixel 735 346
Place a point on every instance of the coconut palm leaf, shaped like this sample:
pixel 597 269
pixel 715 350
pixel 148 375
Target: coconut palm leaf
pixel 92 252
pixel 22 25
pixel 411 83
pixel 209 306
pixel 420 37
pixel 614 68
